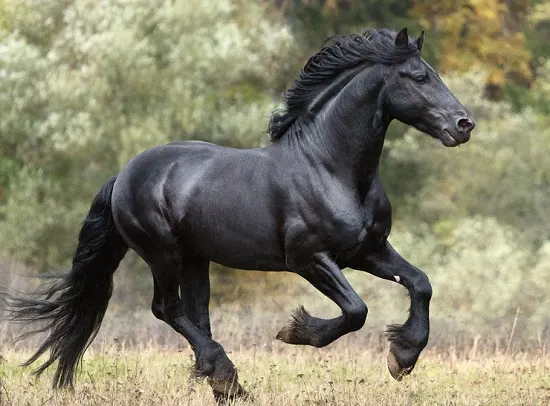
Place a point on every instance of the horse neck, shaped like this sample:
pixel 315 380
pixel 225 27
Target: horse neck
pixel 347 134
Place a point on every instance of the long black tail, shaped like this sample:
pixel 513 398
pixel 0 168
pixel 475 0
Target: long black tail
pixel 73 305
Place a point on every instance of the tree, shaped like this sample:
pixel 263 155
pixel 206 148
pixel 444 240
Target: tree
pixel 504 38
pixel 86 85
pixel 486 34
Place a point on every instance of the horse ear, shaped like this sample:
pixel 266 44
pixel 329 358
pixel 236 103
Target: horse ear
pixel 420 41
pixel 402 38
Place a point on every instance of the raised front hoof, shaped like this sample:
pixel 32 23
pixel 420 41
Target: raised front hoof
pixel 297 330
pixel 397 371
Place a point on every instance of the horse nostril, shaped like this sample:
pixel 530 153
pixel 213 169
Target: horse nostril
pixel 465 125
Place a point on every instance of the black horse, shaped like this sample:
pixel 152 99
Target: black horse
pixel 311 203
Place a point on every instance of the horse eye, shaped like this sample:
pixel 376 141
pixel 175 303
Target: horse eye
pixel 421 78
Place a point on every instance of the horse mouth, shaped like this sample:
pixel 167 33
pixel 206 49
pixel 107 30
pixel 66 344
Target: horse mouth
pixel 448 139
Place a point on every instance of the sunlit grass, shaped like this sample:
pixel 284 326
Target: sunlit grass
pixel 139 360
pixel 285 376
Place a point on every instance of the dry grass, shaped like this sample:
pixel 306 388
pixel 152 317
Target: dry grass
pixel 285 376
pixel 138 360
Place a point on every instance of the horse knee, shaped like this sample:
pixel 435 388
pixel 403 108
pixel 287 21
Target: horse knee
pixel 356 316
pixel 157 310
pixel 422 287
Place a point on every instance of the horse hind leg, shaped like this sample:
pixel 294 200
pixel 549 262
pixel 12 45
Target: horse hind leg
pixel 195 292
pixel 155 243
pixel 211 361
pixel 195 295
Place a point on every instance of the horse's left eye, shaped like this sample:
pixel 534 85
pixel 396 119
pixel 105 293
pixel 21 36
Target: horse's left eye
pixel 421 78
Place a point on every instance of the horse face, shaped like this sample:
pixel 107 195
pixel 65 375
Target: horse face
pixel 415 94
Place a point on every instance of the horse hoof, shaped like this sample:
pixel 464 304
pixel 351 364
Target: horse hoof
pixel 223 396
pixel 397 372
pixel 225 386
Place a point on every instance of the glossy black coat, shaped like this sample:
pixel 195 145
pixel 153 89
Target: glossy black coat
pixel 311 203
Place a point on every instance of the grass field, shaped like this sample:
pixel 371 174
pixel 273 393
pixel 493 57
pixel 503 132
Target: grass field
pixel 138 360
pixel 285 376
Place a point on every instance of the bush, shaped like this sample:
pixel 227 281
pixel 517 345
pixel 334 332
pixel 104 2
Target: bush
pixel 86 85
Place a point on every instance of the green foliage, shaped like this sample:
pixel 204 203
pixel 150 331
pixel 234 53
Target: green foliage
pixel 83 88
pixel 481 272
pixel 505 39
pixel 315 20
pixel 537 30
pixel 487 35
pixel 538 97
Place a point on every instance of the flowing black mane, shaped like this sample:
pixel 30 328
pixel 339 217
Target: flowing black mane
pixel 373 46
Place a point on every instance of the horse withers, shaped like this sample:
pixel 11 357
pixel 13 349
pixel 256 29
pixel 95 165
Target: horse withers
pixel 311 202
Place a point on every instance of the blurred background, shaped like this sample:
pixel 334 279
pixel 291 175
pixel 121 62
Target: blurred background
pixel 87 84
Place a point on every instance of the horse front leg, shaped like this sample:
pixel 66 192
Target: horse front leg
pixel 408 340
pixel 327 277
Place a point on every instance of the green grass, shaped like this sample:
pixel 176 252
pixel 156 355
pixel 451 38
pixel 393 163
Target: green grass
pixel 285 376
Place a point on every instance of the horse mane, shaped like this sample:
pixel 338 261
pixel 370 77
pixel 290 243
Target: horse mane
pixel 375 46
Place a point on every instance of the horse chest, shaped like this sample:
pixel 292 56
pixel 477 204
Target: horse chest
pixel 330 225
pixel 329 216
pixel 350 226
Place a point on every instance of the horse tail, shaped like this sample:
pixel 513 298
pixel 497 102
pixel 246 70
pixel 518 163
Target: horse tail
pixel 73 305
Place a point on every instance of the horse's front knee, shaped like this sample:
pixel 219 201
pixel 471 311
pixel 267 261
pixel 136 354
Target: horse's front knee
pixel 157 310
pixel 421 286
pixel 356 316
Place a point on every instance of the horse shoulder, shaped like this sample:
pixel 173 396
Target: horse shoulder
pixel 325 218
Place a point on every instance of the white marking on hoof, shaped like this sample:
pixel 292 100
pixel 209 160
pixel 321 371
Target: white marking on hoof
pixel 397 278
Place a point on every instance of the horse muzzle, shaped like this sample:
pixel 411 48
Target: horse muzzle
pixel 460 134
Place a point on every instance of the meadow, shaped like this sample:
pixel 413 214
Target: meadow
pixel 138 360
pixel 339 375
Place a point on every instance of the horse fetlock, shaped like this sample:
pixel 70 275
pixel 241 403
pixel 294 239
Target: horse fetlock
pixel 297 330
pixel 212 362
pixel 203 368
pixel 407 337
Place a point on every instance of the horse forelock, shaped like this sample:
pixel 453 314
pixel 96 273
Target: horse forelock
pixel 376 46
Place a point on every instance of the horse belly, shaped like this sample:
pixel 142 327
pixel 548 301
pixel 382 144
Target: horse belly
pixel 230 217
pixel 234 240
